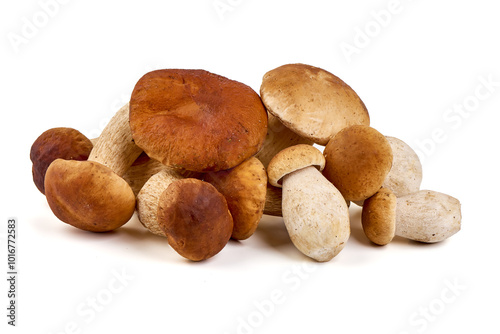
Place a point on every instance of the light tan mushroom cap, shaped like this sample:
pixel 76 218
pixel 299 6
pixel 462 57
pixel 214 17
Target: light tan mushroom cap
pixel 291 159
pixel 88 195
pixel 379 217
pixel 358 160
pixel 244 188
pixel 311 101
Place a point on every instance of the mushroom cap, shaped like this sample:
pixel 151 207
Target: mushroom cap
pixel 195 217
pixel 88 195
pixel 311 101
pixel 57 143
pixel 358 160
pixel 379 217
pixel 405 175
pixel 196 120
pixel 291 159
pixel 244 188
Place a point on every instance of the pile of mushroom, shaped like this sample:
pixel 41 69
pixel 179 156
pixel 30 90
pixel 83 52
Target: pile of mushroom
pixel 201 158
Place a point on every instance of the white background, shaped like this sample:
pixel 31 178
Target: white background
pixel 80 65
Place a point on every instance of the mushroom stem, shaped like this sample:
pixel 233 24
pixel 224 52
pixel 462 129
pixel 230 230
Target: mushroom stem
pixel 115 147
pixel 315 214
pixel 272 207
pixel 427 216
pixel 137 175
pixel 278 138
pixel 149 196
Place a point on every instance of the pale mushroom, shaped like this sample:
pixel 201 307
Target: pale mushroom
pixel 312 102
pixel 425 216
pixel 278 138
pixel 314 212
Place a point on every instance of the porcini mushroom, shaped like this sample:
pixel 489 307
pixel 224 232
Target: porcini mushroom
pixel 405 175
pixel 358 160
pixel 57 143
pixel 91 195
pixel 149 196
pixel 278 138
pixel 244 188
pixel 195 218
pixel 425 216
pixel 314 212
pixel 71 144
pixel 196 120
pixel 311 101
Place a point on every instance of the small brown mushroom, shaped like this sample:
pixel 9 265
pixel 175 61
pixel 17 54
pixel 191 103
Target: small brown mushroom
pixel 57 143
pixel 358 160
pixel 425 216
pixel 149 196
pixel 195 218
pixel 91 195
pixel 244 188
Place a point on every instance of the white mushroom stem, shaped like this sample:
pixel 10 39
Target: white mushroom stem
pixel 115 147
pixel 137 175
pixel 315 214
pixel 149 196
pixel 427 216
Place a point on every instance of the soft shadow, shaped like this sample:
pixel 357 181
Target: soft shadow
pixel 272 232
pixel 357 233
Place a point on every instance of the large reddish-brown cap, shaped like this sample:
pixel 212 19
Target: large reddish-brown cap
pixel 196 120
pixel 244 188
pixel 57 143
pixel 88 195
pixel 312 102
pixel 358 160
pixel 195 218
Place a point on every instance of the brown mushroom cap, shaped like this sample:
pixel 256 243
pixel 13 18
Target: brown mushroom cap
pixel 196 120
pixel 88 195
pixel 57 143
pixel 291 159
pixel 244 188
pixel 195 217
pixel 311 101
pixel 358 160
pixel 379 217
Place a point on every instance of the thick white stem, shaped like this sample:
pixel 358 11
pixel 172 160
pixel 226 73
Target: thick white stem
pixel 115 147
pixel 427 216
pixel 315 214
